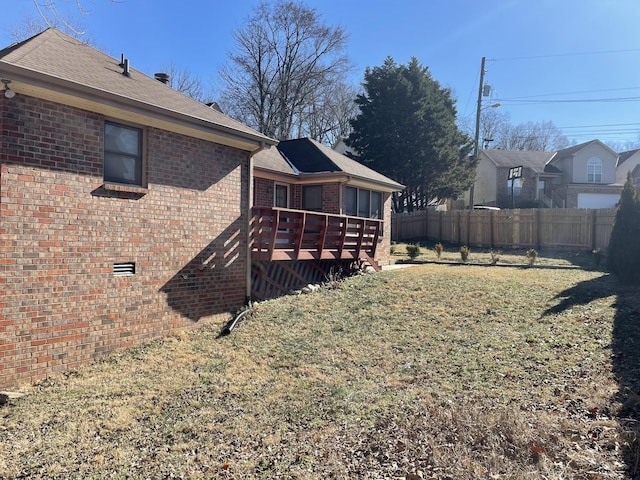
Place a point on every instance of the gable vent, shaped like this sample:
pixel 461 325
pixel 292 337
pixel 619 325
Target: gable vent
pixel 124 268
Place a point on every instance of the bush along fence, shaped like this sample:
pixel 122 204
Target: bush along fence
pixel 559 228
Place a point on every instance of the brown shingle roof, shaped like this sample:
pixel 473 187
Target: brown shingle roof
pixel 271 159
pixel 58 56
pixel 535 161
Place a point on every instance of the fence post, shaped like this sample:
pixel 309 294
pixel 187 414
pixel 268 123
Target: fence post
pixel 491 221
pixel 537 227
pixel 594 217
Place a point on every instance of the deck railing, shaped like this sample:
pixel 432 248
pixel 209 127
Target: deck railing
pixel 284 234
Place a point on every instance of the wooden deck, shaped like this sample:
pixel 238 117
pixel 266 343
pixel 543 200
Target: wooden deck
pixel 282 234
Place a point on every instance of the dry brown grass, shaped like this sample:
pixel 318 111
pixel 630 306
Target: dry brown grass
pixel 436 371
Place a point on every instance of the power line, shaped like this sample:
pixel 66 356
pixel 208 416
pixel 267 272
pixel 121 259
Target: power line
pixel 577 54
pixel 573 93
pixel 604 125
pixel 575 100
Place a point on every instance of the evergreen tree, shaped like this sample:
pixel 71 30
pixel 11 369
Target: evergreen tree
pixel 406 130
pixel 623 253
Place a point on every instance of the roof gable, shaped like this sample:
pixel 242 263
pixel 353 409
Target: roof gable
pixel 570 151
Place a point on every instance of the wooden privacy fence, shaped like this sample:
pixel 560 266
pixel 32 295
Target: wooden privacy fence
pixel 563 228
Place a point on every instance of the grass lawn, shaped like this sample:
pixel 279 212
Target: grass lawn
pixel 433 371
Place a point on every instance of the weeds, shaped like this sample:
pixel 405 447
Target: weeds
pixel 532 255
pixel 425 372
pixel 438 249
pixel 464 253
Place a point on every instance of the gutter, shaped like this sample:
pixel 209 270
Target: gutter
pixel 30 82
pixel 338 176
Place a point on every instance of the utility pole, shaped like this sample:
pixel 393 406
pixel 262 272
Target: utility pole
pixel 477 137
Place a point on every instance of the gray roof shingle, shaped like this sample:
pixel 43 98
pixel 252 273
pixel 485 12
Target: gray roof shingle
pixel 535 161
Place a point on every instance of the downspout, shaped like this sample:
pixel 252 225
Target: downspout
pixel 249 217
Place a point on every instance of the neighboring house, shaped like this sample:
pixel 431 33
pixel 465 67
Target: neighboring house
pixel 581 176
pixel 124 207
pixel 588 176
pixel 493 187
pixel 303 175
pixel 628 162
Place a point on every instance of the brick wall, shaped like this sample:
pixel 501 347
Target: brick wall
pixel 262 192
pixel 331 198
pixel 61 232
pixel 383 251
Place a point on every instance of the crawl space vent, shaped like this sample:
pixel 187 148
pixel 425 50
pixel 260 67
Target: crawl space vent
pixel 124 268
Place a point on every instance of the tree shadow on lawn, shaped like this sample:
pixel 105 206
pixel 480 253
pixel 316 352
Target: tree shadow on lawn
pixel 625 347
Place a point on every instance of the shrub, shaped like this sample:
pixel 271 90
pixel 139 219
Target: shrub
pixel 531 255
pixel 623 254
pixel 438 249
pixel 464 253
pixel 413 251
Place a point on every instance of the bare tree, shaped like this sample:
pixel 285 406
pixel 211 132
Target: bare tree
pixel 492 124
pixel 286 64
pixel 184 81
pixel 62 15
pixel 540 136
pixel 328 119
pixel 32 25
pixel 622 146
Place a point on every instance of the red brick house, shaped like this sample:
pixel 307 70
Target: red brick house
pixel 124 207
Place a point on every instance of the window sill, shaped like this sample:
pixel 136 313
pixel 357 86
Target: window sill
pixel 116 187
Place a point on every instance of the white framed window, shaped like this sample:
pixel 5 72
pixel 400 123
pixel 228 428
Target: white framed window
pixel 360 202
pixel 122 154
pixel 281 195
pixel 594 170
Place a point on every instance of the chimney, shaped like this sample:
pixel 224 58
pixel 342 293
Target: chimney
pixel 162 77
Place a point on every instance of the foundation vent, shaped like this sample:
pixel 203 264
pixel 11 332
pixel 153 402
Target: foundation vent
pixel 124 268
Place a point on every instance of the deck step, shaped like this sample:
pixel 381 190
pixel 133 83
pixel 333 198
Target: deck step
pixel 371 261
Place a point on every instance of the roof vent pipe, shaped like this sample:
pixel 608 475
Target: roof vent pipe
pixel 122 60
pixel 162 77
pixel 126 67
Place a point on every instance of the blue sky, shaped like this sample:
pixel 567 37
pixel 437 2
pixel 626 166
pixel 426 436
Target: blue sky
pixel 573 62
